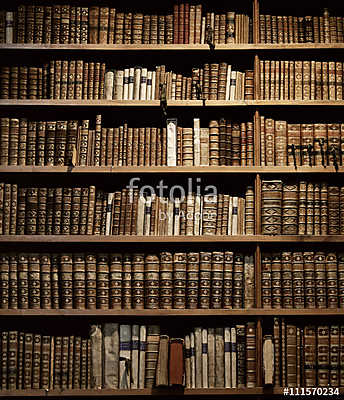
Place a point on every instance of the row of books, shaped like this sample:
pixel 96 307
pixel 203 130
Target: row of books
pixel 305 29
pixel 302 208
pixel 311 144
pixel 213 82
pixel 87 210
pixel 65 24
pixel 206 279
pixel 304 355
pixel 78 79
pixel 301 80
pixel 40 361
pixel 72 142
pixel 308 279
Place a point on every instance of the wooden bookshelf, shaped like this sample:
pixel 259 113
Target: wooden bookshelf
pixel 112 239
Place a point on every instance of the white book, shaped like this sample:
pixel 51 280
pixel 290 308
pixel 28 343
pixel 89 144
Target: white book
pixel 235 216
pixel 203 30
pixel 233 358
pixel 212 21
pixel 118 86
pixel 211 358
pixel 141 206
pixel 172 142
pixel 198 357
pixel 143 86
pixel 193 360
pixel 9 26
pixel 176 226
pixel 201 213
pixel 109 210
pixel 137 83
pixel 153 85
pixel 230 213
pixel 124 354
pixel 131 84
pixel 126 84
pixel 233 85
pixel 228 82
pixel 148 209
pixel 197 142
pixel 228 361
pixel 135 337
pixel 170 215
pixel 142 362
pixel 197 215
pixel 109 81
pixel 204 358
pixel 149 86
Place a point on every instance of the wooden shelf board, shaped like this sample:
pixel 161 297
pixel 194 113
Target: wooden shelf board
pixel 170 103
pixel 172 313
pixel 169 170
pixel 173 47
pixel 170 239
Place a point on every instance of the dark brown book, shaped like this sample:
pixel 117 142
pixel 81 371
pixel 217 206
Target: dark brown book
pixel 28 356
pixel 176 362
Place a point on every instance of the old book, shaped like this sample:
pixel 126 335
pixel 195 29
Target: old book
pixel 298 280
pixel 179 280
pixel 152 351
pixel 142 356
pixel 323 354
pixel 135 336
pixel 286 282
pixel 97 343
pixel 204 357
pixel 176 362
pixel 219 359
pixel 271 207
pixel 162 372
pixel 268 359
pixel 291 358
pixel 331 280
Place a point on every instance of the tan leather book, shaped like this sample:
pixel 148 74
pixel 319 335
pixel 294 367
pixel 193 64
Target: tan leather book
pixel 162 369
pixel 152 351
pixel 219 358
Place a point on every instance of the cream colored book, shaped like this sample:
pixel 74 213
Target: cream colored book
pixel 233 358
pixel 118 85
pixel 211 358
pixel 268 360
pixel 198 357
pixel 176 227
pixel 142 356
pixel 135 337
pixel 230 215
pixel 143 86
pixel 126 84
pixel 109 213
pixel 141 206
pixel 148 209
pixel 204 358
pixel 228 362
pixel 228 82
pixel 153 85
pixel 109 81
pixel 197 142
pixel 235 216
pixel 170 215
pixel 193 360
pixel 203 30
pixel 233 85
pixel 187 362
pixel 131 84
pixel 149 86
pixel 197 215
pixel 172 142
pixel 137 83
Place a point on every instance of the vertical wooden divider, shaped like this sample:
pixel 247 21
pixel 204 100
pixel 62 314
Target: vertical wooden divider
pixel 257 144
pixel 257 204
pixel 255 22
pixel 259 352
pixel 257 94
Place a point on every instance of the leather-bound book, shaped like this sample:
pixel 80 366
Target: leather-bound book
pixel 320 279
pixel 66 211
pixel 249 282
pixel 151 281
pixel 83 370
pixel 176 362
pixel 331 280
pixel 205 280
pixel 54 282
pixel 4 143
pixel 166 280
pixel 41 142
pixel 241 355
pixel 142 356
pixel 13 282
pixel 75 211
pixel 309 276
pixel 271 207
pixel 187 355
pixel 23 279
pixel 268 359
pixel 286 282
pixel 138 280
pixel 13 141
pixel 66 281
pixel 79 281
pixel 179 280
pixel 45 277
pixel 198 357
pixel 64 361
pixel 4 360
pixel 277 351
pixel 152 351
pixel 291 355
pixel 134 356
pixel 127 292
pixel 204 358
pixel 115 281
pixel 323 354
pixel 333 210
pixel 251 361
pixel 162 371
pixel 298 280
pixel 97 361
pixel 75 362
pixel 111 355
pixel 13 209
pixel 238 281
pixel 228 280
pixel 94 24
pixel 219 358
pixel 28 357
pixel 334 356
pixel 217 279
pixel 6 221
pixel 12 360
pixel 45 362
pixel 310 361
pixel 83 210
pixel 102 281
pixel 192 279
pixel 21 207
pixel 340 280
pixel 50 137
